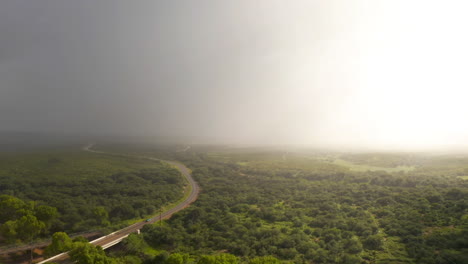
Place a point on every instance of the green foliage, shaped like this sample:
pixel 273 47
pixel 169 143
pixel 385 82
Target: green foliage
pixel 8 230
pixel 80 191
pixel 134 244
pixel 178 258
pixel 130 259
pixel 268 207
pixel 46 213
pixel 29 227
pixel 218 259
pixel 374 242
pixel 61 242
pixel 264 260
pixel 80 239
pixel 160 258
pixel 101 215
pixel 23 221
pixel 386 160
pixel 85 253
pixel 308 211
pixel 11 208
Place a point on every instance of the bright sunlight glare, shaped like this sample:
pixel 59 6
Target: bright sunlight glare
pixel 410 86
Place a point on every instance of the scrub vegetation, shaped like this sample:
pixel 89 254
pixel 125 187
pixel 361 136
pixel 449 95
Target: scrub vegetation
pixel 269 206
pixel 80 191
pixel 305 210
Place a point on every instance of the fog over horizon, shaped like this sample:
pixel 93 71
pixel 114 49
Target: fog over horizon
pixel 371 74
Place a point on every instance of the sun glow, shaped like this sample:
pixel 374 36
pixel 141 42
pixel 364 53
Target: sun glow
pixel 411 87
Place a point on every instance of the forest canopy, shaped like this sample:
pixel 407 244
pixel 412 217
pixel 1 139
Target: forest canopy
pixel 78 191
pixel 255 207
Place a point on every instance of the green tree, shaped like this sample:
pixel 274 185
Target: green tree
pixel 28 227
pixel 10 208
pixel 161 258
pixel 8 231
pixel 218 259
pixel 85 253
pixel 46 213
pixel 101 214
pixel 353 245
pixel 23 221
pixel 176 258
pixel 264 260
pixel 374 242
pixel 130 259
pixel 134 243
pixel 61 242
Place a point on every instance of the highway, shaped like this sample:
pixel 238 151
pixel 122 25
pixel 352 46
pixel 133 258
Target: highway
pixel 117 236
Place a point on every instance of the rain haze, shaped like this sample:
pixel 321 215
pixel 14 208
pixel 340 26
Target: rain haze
pixel 379 74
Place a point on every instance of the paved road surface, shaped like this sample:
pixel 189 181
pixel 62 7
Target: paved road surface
pixel 116 237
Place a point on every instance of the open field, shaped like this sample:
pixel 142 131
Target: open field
pixel 362 167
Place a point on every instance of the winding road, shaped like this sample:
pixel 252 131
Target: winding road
pixel 117 236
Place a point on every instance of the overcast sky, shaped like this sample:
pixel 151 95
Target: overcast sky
pixel 351 73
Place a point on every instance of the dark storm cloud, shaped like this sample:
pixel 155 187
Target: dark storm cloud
pixel 133 67
pixel 327 72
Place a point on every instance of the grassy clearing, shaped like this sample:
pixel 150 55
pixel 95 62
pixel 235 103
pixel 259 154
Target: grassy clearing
pixel 283 160
pixel 362 167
